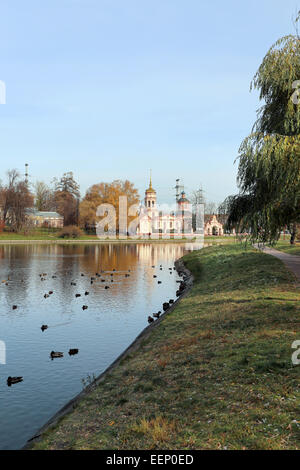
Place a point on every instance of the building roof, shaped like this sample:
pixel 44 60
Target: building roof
pixel 45 214
pixel 150 189
pixel 183 199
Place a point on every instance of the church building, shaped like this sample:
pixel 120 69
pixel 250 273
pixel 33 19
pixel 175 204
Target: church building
pixel 154 221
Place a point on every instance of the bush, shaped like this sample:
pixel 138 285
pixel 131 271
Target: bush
pixel 71 231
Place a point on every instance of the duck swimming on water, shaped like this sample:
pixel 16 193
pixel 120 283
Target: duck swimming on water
pixel 55 354
pixel 72 352
pixel 14 380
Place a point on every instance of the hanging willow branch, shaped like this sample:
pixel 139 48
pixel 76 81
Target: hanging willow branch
pixel 269 158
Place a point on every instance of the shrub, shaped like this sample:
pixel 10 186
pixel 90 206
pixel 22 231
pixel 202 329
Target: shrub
pixel 71 231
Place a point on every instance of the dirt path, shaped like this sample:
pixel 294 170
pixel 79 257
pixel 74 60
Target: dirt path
pixel 292 262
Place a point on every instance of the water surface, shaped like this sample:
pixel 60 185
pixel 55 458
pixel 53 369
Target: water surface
pixel 114 317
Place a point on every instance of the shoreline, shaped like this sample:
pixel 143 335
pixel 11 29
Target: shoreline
pixel 86 242
pixel 133 347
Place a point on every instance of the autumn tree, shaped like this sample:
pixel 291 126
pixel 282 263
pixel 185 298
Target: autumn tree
pixel 66 197
pixel 15 200
pixel 106 193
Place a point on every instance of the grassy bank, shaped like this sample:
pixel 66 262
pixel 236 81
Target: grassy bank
pixel 40 236
pixel 216 373
pixel 284 245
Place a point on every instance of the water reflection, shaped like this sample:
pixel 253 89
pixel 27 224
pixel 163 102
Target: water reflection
pixel 114 317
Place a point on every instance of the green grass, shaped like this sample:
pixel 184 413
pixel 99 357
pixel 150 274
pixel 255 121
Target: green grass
pixel 45 234
pixel 284 245
pixel 216 373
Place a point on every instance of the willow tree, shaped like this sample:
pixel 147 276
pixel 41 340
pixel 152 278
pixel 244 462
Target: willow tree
pixel 269 158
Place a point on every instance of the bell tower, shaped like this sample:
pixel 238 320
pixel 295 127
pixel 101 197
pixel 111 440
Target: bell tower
pixel 150 197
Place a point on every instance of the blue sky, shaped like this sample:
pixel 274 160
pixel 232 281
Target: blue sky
pixel 110 88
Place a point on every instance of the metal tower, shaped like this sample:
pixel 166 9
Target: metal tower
pixel 179 188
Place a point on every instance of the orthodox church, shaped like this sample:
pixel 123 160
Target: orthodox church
pixel 154 222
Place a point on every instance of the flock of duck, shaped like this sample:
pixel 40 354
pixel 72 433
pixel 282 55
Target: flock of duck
pixel 97 276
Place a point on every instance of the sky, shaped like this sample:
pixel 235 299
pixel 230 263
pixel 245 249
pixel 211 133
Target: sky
pixel 111 88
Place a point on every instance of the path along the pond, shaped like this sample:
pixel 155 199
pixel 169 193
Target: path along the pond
pixel 292 262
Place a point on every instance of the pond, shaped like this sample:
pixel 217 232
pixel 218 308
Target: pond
pixel 114 317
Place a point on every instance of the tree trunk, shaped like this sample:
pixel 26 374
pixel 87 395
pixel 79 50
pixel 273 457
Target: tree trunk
pixel 293 234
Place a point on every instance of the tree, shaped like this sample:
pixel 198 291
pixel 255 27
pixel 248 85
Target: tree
pixel 269 158
pixel 106 193
pixel 44 197
pixel 210 207
pixel 15 200
pixel 66 197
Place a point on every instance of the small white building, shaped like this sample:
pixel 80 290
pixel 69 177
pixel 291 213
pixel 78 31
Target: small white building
pixel 45 219
pixel 212 226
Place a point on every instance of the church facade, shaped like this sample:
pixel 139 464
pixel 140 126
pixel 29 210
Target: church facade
pixel 155 222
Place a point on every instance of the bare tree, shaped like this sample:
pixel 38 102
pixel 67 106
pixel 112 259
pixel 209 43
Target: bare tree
pixel 44 197
pixel 15 199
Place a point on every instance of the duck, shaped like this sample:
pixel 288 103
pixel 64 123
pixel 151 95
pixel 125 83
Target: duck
pixel 14 307
pixel 158 282
pixel 106 287
pixel 46 296
pixel 171 301
pixel 150 319
pixel 102 280
pixel 77 295
pixel 154 275
pixel 14 380
pixel 86 293
pixel 50 292
pixel 44 327
pixel 82 274
pixel 156 315
pixel 166 305
pixel 84 307
pixel 72 352
pixel 55 354
pixel 73 283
